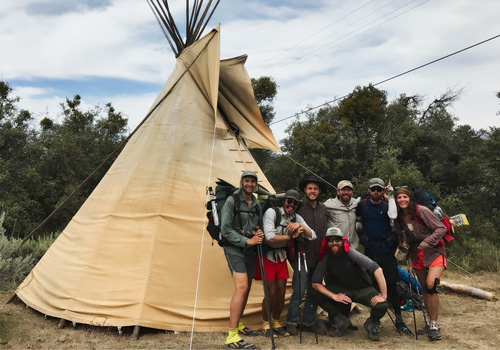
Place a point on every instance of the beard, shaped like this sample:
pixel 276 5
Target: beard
pixel 337 250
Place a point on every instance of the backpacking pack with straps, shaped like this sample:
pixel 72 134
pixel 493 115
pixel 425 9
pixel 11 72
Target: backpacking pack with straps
pixel 223 191
pixel 275 202
pixel 448 236
pixel 421 197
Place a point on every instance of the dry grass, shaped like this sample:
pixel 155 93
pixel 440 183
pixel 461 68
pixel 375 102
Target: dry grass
pixel 466 323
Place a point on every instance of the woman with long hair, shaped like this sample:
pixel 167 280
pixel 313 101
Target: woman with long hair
pixel 421 232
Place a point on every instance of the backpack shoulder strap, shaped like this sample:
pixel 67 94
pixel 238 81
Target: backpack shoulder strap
pixel 277 221
pixel 364 208
pixel 236 202
pixel 417 216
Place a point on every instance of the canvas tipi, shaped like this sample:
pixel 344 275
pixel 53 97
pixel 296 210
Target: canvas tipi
pixel 136 252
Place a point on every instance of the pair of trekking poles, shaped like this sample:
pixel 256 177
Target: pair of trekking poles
pixel 412 278
pixel 413 284
pixel 260 254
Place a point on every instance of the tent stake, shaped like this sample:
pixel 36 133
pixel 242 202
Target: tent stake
pixel 135 334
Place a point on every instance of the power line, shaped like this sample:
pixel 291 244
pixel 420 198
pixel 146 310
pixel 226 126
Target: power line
pixel 391 78
pixel 330 45
pixel 312 35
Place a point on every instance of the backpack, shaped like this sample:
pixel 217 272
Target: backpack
pixel 275 201
pixel 421 197
pixel 223 191
pixel 448 236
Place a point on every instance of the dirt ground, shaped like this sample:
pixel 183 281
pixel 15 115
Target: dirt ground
pixel 466 323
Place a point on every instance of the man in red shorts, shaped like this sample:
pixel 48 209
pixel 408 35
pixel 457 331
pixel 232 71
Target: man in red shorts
pixel 276 238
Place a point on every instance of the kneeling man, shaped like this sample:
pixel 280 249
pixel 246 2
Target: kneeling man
pixel 346 273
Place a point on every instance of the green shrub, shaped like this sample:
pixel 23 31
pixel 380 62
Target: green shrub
pixel 13 266
pixel 37 247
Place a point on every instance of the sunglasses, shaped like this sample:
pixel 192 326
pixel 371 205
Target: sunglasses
pixel 334 239
pixel 292 201
pixel 376 189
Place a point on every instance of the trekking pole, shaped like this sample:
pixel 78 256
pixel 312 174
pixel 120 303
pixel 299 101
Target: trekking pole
pixel 307 292
pixel 393 322
pixel 409 293
pixel 412 274
pixel 299 246
pixel 266 296
pixel 424 310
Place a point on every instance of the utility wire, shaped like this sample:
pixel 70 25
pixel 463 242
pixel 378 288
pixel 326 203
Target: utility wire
pixel 314 34
pixel 330 45
pixel 388 79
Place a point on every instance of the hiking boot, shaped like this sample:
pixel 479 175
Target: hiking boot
pixel 240 345
pixel 372 328
pixel 282 332
pixel 321 327
pixel 267 333
pixel 352 327
pixel 434 333
pixel 341 323
pixel 401 326
pixel 248 332
pixel 292 329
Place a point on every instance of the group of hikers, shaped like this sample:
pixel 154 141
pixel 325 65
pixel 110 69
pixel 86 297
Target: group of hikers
pixel 321 241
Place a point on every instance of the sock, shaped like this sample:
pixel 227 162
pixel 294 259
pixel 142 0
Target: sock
pixel 241 325
pixel 233 336
pixel 276 324
pixel 265 324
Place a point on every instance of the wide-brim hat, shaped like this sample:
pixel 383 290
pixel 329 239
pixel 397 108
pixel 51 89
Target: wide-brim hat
pixel 322 185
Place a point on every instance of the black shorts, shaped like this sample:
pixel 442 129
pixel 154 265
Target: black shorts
pixel 240 264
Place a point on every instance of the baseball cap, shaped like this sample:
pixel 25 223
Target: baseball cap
pixel 376 182
pixel 333 231
pixel 344 183
pixel 293 195
pixel 249 173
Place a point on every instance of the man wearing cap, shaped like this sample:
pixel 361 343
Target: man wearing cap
pixel 341 212
pixel 291 225
pixel 314 214
pixel 346 273
pixel 379 239
pixel 240 237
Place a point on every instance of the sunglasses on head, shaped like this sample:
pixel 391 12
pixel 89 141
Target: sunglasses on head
pixel 376 189
pixel 292 201
pixel 334 239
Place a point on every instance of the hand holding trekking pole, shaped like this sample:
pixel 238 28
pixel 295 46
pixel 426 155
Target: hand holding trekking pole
pixel 294 229
pixel 257 238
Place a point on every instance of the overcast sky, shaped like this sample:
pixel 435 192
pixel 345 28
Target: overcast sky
pixel 114 51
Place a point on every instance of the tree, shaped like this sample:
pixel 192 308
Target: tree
pixel 40 167
pixel 265 90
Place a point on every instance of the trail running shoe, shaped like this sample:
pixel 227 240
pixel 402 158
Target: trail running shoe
pixel 248 332
pixel 282 332
pixel 267 333
pixel 240 345
pixel 434 333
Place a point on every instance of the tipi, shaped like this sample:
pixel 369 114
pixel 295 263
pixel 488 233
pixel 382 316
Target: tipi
pixel 136 253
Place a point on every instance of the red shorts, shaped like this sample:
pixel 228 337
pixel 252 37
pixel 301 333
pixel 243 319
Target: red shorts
pixel 440 261
pixel 274 271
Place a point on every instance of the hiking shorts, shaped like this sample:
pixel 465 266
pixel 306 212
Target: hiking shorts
pixel 241 264
pixel 440 261
pixel 274 271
